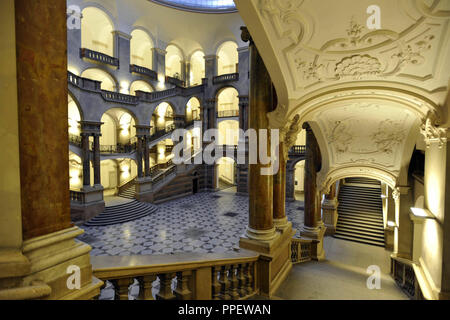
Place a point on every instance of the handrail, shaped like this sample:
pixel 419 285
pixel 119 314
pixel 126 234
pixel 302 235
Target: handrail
pixel 144 71
pixel 227 113
pixel 230 275
pixel 301 250
pixel 119 97
pixel 226 78
pixel 99 57
pixel 297 151
pixel 175 81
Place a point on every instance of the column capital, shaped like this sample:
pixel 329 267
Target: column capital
pixel 121 34
pixel 243 99
pixel 90 127
pixel 142 130
pixel 159 51
pixel 433 133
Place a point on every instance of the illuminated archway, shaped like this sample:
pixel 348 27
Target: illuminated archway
pixel 140 85
pixel 162 116
pixel 141 46
pixel 228 102
pixel 228 132
pixel 96 31
pixel 226 173
pixel 193 109
pixel 74 116
pixel 174 58
pixel 108 82
pixel 118 127
pixel 228 58
pixel 197 72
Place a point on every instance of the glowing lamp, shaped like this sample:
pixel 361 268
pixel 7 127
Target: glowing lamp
pixel 419 213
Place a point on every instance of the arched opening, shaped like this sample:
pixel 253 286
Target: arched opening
pixel 162 117
pixel 141 46
pixel 226 173
pixel 193 110
pixel 116 173
pixel 197 72
pixel 75 171
pixel 107 81
pixel 228 103
pixel 229 132
pixel 174 58
pixel 140 85
pixel 299 181
pixel 74 117
pixel 118 128
pixel 96 31
pixel 228 58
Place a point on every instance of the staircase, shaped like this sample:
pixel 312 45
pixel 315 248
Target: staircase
pixel 122 213
pixel 128 191
pixel 360 213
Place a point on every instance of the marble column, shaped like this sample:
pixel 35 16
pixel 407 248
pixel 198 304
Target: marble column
pixel 139 150
pixel 49 236
pixel 311 216
pixel 146 140
pixel 86 160
pixel 260 225
pixel 96 151
pixel 329 210
pixel 279 191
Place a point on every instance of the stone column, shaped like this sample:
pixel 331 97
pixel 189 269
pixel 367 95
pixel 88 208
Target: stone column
pixel 86 160
pixel 403 231
pixel 279 191
pixel 313 227
pixel 184 75
pixel 49 236
pixel 210 116
pixel 260 225
pixel 290 183
pixel 243 112
pixel 139 150
pixel 211 67
pixel 96 150
pixel 329 210
pixel 146 140
pixel 122 51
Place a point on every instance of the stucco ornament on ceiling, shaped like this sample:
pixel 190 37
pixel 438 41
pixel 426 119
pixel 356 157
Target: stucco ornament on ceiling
pixel 433 133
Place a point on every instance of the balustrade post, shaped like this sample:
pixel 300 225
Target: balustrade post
pixel 224 283
pixel 182 291
pixel 146 286
pixel 165 287
pixel 215 284
pixel 121 288
pixel 233 280
pixel 249 277
pixel 241 280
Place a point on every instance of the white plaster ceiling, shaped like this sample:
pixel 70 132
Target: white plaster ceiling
pixel 364 91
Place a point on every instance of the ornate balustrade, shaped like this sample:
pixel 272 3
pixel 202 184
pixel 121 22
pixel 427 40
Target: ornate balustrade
pixel 76 196
pixel 84 83
pixel 181 276
pixel 118 148
pixel 119 97
pixel 297 151
pixel 175 81
pixel 143 71
pixel 226 78
pixel 157 95
pixel 301 250
pixel 74 139
pixel 402 271
pixel 99 57
pixel 228 113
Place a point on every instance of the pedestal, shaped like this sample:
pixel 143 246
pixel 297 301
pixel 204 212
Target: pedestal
pixel 330 215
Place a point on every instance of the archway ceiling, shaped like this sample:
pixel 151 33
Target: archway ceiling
pixel 309 45
pixel 366 91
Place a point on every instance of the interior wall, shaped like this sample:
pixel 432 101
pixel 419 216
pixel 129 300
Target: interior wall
pixel 141 49
pixel 228 132
pixel 228 58
pixel 225 170
pixel 228 99
pixel 96 31
pixel 74 117
pixel 197 72
pixel 299 176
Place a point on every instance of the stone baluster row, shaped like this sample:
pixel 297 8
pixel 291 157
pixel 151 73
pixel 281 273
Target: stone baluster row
pixel 232 282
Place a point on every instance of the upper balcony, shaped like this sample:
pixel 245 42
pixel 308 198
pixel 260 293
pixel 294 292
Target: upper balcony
pixel 99 57
pixel 143 71
pixel 226 78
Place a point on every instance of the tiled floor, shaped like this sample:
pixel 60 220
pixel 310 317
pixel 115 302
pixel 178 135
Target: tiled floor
pixel 203 223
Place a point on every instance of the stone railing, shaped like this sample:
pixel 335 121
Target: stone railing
pixel 297 151
pixel 175 81
pixel 228 113
pixel 162 132
pixel 165 173
pixel 119 97
pixel 186 276
pixel 84 83
pixel 99 57
pixel 301 250
pixel 143 71
pixel 127 184
pixel 118 148
pixel 74 139
pixel 226 78
pixel 76 196
pixel 402 271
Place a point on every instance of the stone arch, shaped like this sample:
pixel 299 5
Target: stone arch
pixel 96 30
pixel 108 81
pixel 141 45
pixel 228 57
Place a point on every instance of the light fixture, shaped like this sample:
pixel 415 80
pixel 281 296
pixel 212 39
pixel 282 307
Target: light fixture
pixel 421 213
pixel 391 224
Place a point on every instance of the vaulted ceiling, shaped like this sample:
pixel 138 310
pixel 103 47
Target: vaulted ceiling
pixel 366 91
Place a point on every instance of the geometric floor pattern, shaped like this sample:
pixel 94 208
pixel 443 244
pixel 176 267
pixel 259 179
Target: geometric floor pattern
pixel 202 223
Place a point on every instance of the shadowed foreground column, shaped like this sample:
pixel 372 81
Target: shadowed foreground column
pixel 50 246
